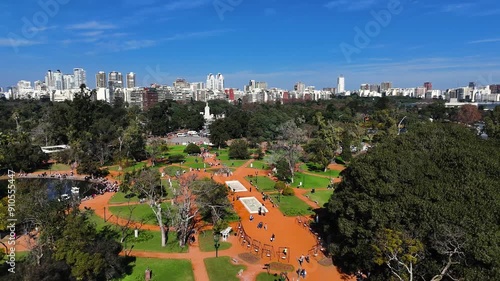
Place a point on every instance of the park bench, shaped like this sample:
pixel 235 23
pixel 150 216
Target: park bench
pixel 225 233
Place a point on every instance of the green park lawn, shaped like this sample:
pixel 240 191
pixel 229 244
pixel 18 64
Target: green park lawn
pixel 150 241
pixel 313 169
pixel 147 241
pixel 264 183
pixel 121 198
pixel 264 276
pixel 221 268
pixel 141 212
pixel 60 167
pixel 161 269
pixel 176 149
pixel 321 196
pixel 207 244
pixel 234 163
pixel 134 167
pixel 292 206
pixel 310 181
pixel 259 164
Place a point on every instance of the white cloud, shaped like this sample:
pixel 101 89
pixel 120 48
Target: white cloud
pixel 91 25
pixel 10 42
pixel 489 40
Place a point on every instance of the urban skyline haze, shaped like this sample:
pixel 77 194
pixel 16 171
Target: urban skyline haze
pixel 281 42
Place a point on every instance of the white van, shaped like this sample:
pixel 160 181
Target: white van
pixel 192 133
pixel 180 135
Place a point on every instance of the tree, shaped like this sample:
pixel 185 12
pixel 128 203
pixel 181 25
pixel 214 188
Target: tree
pixel 147 183
pixel 399 252
pixel 434 175
pixel 184 220
pixel 218 133
pixel 239 150
pixel 492 122
pixel 468 114
pixel 157 148
pixel 322 149
pixel 211 199
pixel 192 149
pixel 288 144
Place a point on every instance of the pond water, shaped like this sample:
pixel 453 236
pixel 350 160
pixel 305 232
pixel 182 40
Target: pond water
pixel 55 187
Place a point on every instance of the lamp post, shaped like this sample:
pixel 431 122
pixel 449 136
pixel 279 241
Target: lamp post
pixel 216 243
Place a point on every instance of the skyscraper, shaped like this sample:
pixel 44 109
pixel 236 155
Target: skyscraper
pixel 115 79
pixel 80 77
pixel 68 82
pixel 58 80
pixel 100 80
pixel 49 80
pixel 215 82
pixel 428 86
pixel 341 84
pixel 131 80
pixel 384 86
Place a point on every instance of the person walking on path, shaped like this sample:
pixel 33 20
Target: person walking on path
pixel 301 260
pixel 272 237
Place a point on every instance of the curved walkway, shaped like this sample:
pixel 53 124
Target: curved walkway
pixel 288 232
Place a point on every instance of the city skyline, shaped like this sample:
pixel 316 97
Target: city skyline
pixel 406 42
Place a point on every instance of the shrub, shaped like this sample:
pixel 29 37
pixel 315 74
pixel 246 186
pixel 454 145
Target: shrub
pixel 288 191
pixel 192 149
pixel 280 186
pixel 176 158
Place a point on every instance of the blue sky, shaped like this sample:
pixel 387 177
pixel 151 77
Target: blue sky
pixel 448 42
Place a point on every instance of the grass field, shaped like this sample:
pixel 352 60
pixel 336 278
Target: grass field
pixel 60 167
pixel 264 183
pixel 259 164
pixel 311 168
pixel 141 212
pixel 310 181
pixel 150 241
pixel 161 269
pixel 234 163
pixel 292 206
pixel 120 198
pixel 206 241
pixel 147 240
pixel 221 268
pixel 264 276
pixel 321 196
pixel 135 167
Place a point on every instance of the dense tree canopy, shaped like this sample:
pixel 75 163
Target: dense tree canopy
pixel 437 185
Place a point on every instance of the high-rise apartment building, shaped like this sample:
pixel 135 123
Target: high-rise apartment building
pixel 49 80
pixel 58 81
pixel 131 80
pixel 385 86
pixel 495 89
pixel 69 82
pixel 428 86
pixel 115 80
pixel 299 87
pixel 341 84
pixel 215 82
pixel 80 77
pixel 100 80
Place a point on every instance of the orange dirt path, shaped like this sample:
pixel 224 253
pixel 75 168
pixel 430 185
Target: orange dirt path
pixel 288 232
